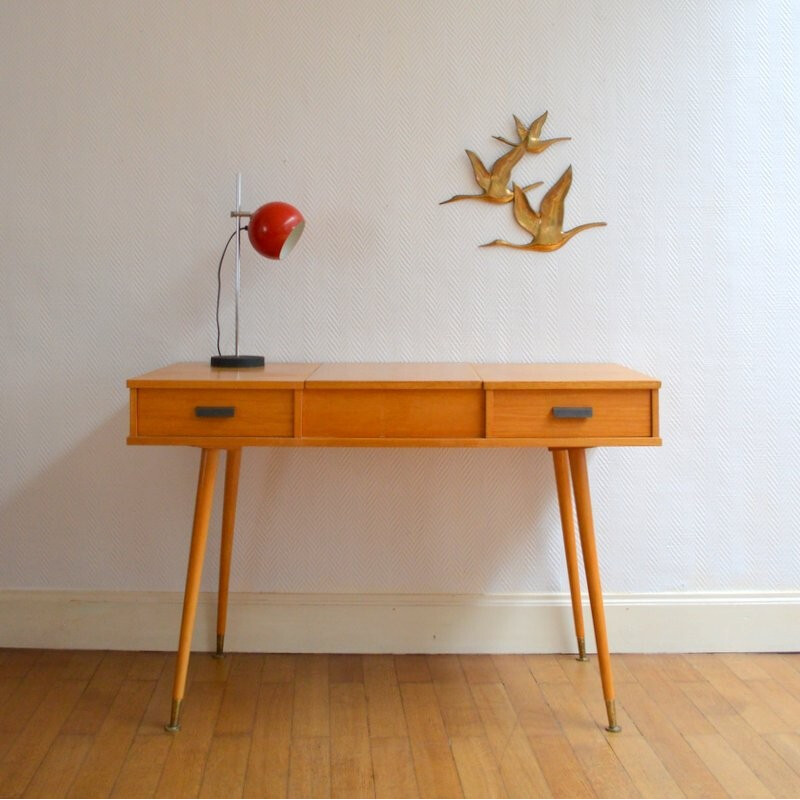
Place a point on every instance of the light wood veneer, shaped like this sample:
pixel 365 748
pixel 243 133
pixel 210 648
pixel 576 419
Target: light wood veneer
pixel 565 407
pixel 173 412
pixel 395 405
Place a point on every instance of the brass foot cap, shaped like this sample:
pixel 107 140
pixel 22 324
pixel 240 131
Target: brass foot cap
pixel 219 655
pixel 611 708
pixel 581 649
pixel 220 646
pixel 582 658
pixel 174 725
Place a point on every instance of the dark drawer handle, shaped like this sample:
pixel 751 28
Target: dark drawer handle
pixel 216 412
pixel 572 412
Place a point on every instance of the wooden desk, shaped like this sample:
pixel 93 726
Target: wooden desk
pixel 564 407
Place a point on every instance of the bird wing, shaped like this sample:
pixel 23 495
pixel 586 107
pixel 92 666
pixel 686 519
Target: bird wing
pixel 501 169
pixel 482 176
pixel 537 125
pixel 523 213
pixel 522 128
pixel 569 234
pixel 552 208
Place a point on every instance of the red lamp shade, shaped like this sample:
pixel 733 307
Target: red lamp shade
pixel 274 229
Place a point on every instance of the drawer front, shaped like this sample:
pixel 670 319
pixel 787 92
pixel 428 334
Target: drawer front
pixel 400 413
pixel 215 412
pixel 580 413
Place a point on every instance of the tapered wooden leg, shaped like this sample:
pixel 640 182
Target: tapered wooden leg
pixel 202 513
pixel 233 461
pixel 583 504
pixel 561 465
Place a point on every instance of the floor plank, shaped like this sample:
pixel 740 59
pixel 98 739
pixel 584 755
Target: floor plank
pixel 546 669
pixel 773 772
pixel 734 775
pixel 384 704
pixel 497 715
pixel 311 703
pixel 109 750
pixel 477 767
pixel 434 765
pixel 520 769
pixel 91 723
pixel 564 774
pixel 393 767
pixel 479 669
pixel 783 667
pixel 147 667
pixel 673 702
pixel 310 767
pixel 435 769
pixel 30 747
pixel 646 770
pixel 141 770
pixel 237 712
pixel 278 668
pixel 457 706
pixel 600 763
pixel 412 669
pixel 31 692
pixel 17 663
pixel 186 760
pixel 60 766
pixel 89 714
pixel 268 766
pixel 738 693
pixel 778 700
pixel 351 759
pixel 787 745
pixel 226 766
pixel 687 769
pixel 345 668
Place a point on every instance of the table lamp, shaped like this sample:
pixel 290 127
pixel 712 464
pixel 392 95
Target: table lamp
pixel 273 230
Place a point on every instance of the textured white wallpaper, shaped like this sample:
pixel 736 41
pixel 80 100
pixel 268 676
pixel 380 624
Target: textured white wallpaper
pixel 122 126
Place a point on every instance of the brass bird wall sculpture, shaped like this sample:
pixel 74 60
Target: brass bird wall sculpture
pixel 530 135
pixel 545 226
pixel 494 183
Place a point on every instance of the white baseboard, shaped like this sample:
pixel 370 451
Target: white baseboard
pixel 379 623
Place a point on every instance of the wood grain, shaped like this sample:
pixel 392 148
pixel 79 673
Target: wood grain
pixel 529 413
pixel 228 442
pixel 400 413
pixel 394 405
pixel 268 766
pixel 203 376
pixel 103 762
pixel 539 728
pixel 394 376
pixel 563 376
pixel 384 704
pixel 171 412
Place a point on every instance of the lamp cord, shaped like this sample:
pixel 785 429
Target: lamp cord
pixel 219 281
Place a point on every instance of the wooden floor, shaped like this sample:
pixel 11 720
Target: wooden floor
pixel 90 724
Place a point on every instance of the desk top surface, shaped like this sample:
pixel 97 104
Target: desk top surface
pixel 398 376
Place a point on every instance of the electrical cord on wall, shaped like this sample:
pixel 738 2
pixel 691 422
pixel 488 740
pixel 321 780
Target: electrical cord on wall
pixel 219 281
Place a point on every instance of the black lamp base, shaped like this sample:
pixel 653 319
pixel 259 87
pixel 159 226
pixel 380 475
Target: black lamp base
pixel 237 362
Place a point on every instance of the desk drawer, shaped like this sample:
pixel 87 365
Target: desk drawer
pixel 393 413
pixel 581 413
pixel 215 412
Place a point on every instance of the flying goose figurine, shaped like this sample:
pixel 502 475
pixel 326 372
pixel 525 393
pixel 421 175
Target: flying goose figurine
pixel 530 135
pixel 545 226
pixel 495 182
